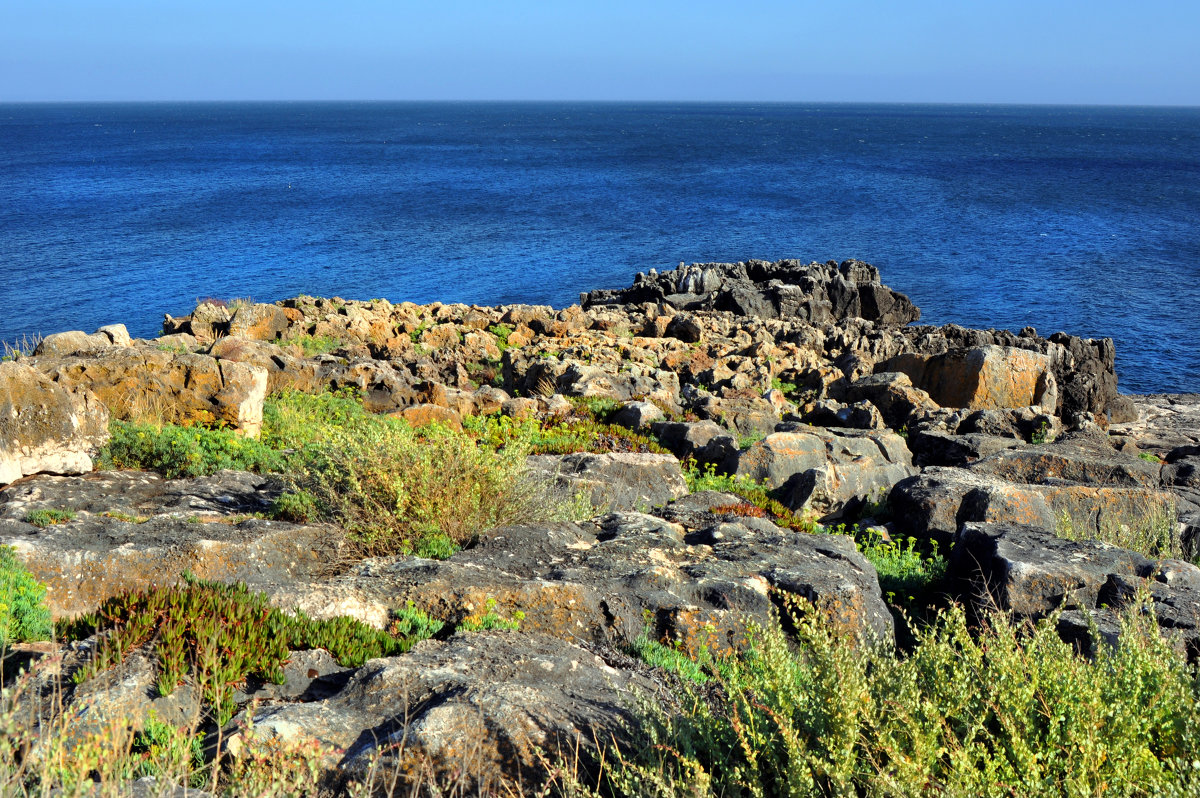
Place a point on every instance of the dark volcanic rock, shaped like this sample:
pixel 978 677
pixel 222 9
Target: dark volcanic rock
pixel 815 292
pixel 490 704
pixel 605 580
pixel 1031 572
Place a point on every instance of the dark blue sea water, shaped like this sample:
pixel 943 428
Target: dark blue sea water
pixel 1078 219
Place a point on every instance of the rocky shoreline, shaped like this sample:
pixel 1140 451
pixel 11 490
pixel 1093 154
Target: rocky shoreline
pixel 1014 454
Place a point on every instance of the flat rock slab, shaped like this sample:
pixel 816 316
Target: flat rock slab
pixel 620 575
pixel 617 480
pixel 1032 573
pixel 491 703
pixel 1165 421
pixel 134 530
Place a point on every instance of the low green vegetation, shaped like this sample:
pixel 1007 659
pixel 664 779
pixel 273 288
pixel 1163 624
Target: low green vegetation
pixel 566 436
pixel 45 518
pixel 1150 457
pixel 785 387
pixel 175 451
pixel 312 345
pixel 501 331
pixel 488 618
pixel 908 576
pixel 755 493
pixel 673 659
pixel 1154 533
pixel 218 635
pixel 23 613
pixel 392 487
pixel 1003 710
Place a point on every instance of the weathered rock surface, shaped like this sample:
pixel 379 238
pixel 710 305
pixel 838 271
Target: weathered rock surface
pixel 46 427
pixel 614 481
pixel 1032 573
pixel 696 579
pixel 134 530
pixel 492 704
pixel 1078 486
pixel 184 388
pixel 816 292
pixel 827 469
pixel 984 377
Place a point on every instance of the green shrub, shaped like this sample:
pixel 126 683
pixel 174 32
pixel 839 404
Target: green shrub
pixel 501 331
pixel 293 419
pixel 1000 711
pixel 45 518
pixel 392 486
pixel 175 451
pixel 567 436
pixel 219 634
pixel 23 613
pixel 312 345
pixel 299 507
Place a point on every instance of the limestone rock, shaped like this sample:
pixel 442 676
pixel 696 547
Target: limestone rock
pixel 46 427
pixel 133 530
pixel 180 388
pixel 258 322
pixel 982 377
pixel 488 703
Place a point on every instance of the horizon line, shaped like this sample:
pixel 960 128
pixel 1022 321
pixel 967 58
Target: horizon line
pixel 511 101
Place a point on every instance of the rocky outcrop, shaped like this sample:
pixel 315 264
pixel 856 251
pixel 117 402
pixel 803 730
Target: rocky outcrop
pixel 985 377
pixel 46 427
pixel 816 292
pixel 132 530
pixel 696 578
pixel 1031 574
pixel 827 469
pixel 143 381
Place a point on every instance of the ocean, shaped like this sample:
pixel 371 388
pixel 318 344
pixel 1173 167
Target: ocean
pixel 1082 219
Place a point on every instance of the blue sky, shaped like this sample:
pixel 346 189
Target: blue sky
pixel 1051 51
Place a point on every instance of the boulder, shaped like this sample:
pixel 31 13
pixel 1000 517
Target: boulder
pixel 892 392
pixel 638 415
pixel 73 342
pixel 133 530
pixel 491 704
pixel 982 377
pixel 614 481
pixel 184 388
pixel 706 441
pixel 827 469
pixel 1031 573
pixel 46 427
pixel 258 322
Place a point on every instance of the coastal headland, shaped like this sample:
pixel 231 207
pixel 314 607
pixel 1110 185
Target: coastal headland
pixel 475 540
